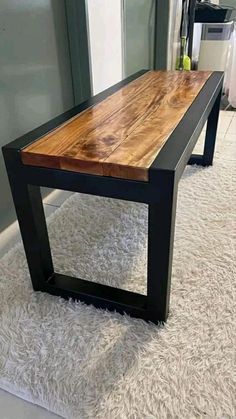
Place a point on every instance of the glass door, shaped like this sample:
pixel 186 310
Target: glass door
pixel 139 35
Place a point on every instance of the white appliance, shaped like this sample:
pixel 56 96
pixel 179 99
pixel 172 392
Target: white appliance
pixel 215 45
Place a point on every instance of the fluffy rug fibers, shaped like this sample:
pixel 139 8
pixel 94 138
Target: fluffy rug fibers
pixel 81 362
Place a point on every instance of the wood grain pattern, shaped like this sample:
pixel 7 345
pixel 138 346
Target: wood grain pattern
pixel 122 135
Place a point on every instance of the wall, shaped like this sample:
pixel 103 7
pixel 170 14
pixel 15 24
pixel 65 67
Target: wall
pixel 168 18
pixel 105 37
pixel 35 74
pixel 175 13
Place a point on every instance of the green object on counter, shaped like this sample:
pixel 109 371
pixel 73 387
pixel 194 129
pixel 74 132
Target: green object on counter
pixel 183 62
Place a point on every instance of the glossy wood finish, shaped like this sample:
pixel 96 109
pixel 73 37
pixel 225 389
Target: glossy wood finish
pixel 121 136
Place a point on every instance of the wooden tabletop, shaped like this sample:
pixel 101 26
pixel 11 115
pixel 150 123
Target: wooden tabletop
pixel 122 135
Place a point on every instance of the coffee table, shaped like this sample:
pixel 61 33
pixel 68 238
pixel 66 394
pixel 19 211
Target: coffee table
pixel 131 142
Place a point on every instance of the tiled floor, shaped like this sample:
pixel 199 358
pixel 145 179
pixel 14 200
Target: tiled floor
pixel 12 407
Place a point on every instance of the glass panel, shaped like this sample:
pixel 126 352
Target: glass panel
pixel 138 23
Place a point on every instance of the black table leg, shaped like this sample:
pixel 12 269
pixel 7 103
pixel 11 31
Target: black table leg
pixel 30 213
pixel 31 218
pixel 211 131
pixel 209 147
pixel 161 223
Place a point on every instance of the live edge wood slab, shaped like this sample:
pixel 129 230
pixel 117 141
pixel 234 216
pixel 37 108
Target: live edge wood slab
pixel 122 135
pixel 131 142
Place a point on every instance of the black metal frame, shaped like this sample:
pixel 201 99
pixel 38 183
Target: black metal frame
pixel 160 193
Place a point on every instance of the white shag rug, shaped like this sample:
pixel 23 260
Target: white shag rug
pixel 81 362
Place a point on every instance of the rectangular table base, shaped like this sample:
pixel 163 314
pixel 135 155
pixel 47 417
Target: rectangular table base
pixel 99 295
